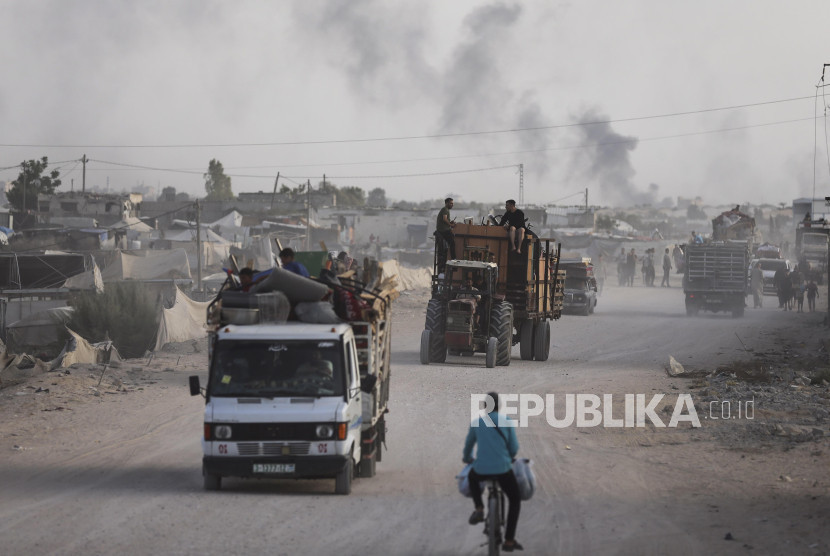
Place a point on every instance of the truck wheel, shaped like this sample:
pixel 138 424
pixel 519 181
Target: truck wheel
pixel 593 306
pixel 425 344
pixel 490 354
pixel 212 481
pixel 501 328
pixel 436 321
pixel 541 341
pixel 587 310
pixel 526 340
pixel 343 481
pixel 737 312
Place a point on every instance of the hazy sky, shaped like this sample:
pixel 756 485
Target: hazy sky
pixel 396 94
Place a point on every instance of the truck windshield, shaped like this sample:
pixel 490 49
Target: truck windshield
pixel 576 284
pixel 272 368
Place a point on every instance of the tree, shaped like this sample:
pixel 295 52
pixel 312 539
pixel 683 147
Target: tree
pixel 32 181
pixel 605 222
pixel 217 184
pixel 351 197
pixel 377 198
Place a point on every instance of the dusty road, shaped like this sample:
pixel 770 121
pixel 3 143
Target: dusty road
pixel 117 469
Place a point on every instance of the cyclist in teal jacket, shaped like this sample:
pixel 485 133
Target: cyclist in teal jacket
pixel 497 446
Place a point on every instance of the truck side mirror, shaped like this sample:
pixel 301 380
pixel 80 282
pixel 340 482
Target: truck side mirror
pixel 195 388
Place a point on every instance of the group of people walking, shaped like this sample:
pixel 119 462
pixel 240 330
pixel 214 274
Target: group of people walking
pixel 627 267
pixel 791 287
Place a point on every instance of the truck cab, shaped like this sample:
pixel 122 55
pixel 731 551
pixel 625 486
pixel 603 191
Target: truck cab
pixel 282 401
pixel 289 399
pixel 580 295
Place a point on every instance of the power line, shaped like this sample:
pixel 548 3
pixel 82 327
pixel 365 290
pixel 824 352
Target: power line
pixel 127 166
pixel 412 137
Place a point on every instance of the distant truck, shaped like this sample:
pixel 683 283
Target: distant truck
pixel 811 245
pixel 580 286
pixel 715 277
pixel 528 292
pixel 292 399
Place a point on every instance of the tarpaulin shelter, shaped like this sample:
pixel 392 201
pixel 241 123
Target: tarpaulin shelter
pixel 184 321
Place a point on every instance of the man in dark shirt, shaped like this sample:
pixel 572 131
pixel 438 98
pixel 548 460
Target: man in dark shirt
pixel 444 225
pixel 514 220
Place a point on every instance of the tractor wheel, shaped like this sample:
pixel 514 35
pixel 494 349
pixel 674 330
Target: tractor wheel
pixel 541 341
pixel 501 328
pixel 490 354
pixel 435 323
pixel 526 340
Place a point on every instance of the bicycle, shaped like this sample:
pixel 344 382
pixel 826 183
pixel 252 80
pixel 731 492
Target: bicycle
pixel 495 516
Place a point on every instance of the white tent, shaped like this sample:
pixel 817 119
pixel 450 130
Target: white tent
pixel 184 321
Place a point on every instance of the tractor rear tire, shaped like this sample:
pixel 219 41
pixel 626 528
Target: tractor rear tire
pixel 541 343
pixel 501 328
pixel 526 340
pixel 435 323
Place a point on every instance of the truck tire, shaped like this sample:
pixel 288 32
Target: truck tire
pixel 737 312
pixel 587 310
pixel 501 328
pixel 425 345
pixel 541 341
pixel 343 481
pixel 435 323
pixel 526 339
pixel 211 480
pixel 490 353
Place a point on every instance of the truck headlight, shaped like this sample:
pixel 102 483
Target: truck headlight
pixel 222 432
pixel 325 431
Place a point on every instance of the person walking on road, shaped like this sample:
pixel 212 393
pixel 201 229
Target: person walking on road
pixel 630 266
pixel 497 446
pixel 666 269
pixel 812 294
pixel 756 284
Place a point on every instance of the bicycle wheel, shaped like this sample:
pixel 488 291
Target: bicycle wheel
pixel 493 526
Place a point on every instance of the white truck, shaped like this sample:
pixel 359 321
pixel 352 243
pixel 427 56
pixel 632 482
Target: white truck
pixel 293 400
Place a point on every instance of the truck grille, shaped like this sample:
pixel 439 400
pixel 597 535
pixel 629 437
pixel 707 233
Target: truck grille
pixel 273 448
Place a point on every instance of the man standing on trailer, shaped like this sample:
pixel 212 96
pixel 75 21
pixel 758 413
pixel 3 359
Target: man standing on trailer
pixel 514 220
pixel 444 225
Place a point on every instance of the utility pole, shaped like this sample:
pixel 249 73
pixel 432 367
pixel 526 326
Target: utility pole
pixel 308 214
pixel 274 194
pixel 83 178
pixel 198 247
pixel 586 200
pixel 521 185
pixel 24 190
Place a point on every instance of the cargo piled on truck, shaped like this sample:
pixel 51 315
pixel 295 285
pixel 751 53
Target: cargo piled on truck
pixel 298 381
pixel 716 272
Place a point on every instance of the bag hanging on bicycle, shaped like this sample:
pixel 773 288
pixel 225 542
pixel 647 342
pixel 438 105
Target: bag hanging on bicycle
pixel 464 481
pixel 524 477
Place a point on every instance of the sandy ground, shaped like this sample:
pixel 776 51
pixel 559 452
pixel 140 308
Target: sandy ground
pixel 108 460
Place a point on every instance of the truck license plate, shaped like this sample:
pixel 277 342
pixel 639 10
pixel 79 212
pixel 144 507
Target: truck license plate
pixel 273 468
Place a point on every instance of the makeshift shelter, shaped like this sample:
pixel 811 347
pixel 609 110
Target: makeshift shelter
pixel 184 321
pixel 407 278
pixel 78 350
pixel 40 333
